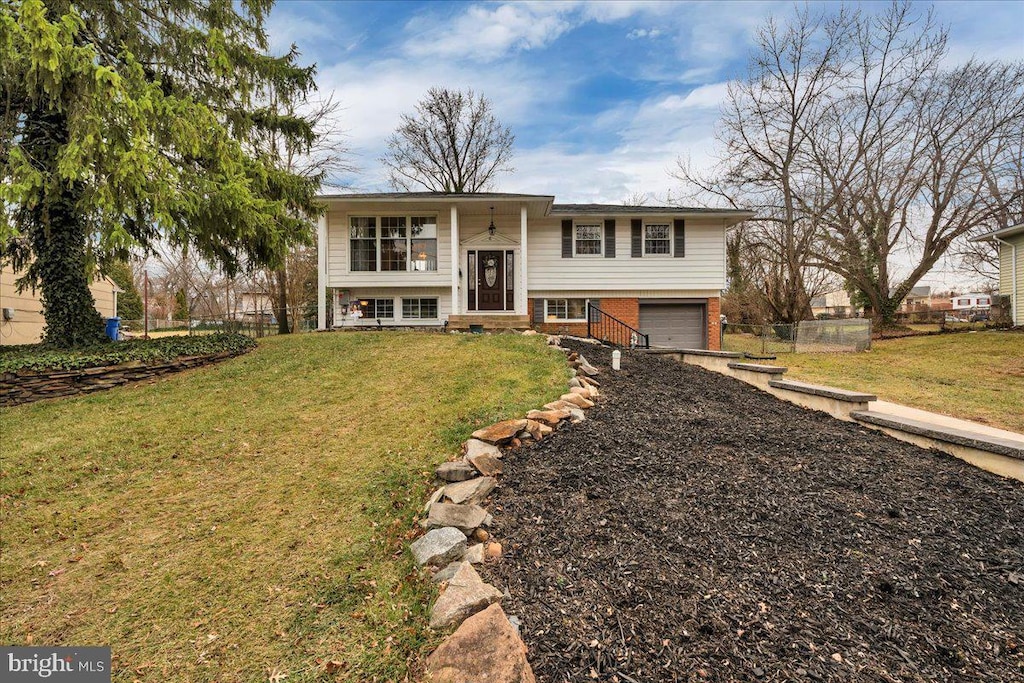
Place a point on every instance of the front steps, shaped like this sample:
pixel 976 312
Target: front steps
pixel 490 321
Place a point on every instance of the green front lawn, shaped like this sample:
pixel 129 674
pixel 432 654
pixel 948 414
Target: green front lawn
pixel 249 520
pixel 972 375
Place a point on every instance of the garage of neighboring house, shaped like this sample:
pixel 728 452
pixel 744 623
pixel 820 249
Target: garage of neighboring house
pixel 675 324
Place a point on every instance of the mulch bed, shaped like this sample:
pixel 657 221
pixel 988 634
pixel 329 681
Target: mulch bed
pixel 694 528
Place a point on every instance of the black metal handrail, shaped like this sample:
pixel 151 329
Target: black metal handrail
pixel 611 330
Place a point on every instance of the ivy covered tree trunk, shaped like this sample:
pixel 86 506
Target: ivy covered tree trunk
pixel 57 237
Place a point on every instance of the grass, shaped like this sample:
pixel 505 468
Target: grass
pixel 975 376
pixel 248 521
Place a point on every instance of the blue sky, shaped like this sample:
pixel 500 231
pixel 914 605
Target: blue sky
pixel 603 96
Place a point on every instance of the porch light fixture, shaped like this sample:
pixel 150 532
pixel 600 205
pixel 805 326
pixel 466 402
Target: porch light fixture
pixel 491 228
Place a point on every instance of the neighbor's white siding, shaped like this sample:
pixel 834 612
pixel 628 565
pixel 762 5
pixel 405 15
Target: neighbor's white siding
pixel 1006 274
pixel 703 267
pixel 339 274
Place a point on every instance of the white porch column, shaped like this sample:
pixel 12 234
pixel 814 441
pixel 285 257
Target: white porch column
pixel 456 300
pixel 321 273
pixel 521 305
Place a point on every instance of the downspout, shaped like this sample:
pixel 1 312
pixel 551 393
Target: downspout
pixel 1013 279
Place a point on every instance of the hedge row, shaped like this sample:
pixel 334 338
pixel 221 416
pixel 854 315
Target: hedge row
pixel 40 358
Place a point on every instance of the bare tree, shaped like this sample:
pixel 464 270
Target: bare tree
pixel 904 151
pixel 453 143
pixel 864 154
pixel 637 198
pixel 762 139
pixel 325 157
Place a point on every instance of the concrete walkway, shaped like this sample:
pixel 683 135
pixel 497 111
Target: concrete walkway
pixel 944 421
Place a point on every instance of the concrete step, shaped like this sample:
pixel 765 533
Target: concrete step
pixel 489 321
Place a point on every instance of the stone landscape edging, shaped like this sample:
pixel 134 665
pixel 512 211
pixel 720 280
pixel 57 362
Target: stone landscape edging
pixel 19 388
pixel 486 645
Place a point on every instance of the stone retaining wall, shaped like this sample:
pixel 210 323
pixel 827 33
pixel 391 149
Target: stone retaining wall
pixel 26 386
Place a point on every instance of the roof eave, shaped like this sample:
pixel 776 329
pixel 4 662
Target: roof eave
pixel 1011 231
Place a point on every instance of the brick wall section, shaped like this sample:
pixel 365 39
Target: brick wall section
pixel 714 324
pixel 626 310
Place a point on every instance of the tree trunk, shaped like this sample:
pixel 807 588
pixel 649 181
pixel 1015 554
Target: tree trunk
pixel 57 237
pixel 281 307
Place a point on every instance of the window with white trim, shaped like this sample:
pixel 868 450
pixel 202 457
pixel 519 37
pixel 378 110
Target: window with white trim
pixel 378 308
pixel 657 238
pixel 565 310
pixel 400 243
pixel 420 309
pixel 587 239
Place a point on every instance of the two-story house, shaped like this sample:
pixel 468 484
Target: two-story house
pixel 518 261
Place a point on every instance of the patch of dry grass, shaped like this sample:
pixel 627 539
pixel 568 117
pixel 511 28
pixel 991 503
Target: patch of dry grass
pixel 249 519
pixel 973 375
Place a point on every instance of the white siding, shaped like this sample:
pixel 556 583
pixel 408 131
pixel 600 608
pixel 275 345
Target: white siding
pixel 1006 275
pixel 338 265
pixel 443 296
pixel 703 267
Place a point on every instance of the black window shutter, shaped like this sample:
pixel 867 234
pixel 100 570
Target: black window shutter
pixel 679 235
pixel 609 238
pixel 538 310
pixel 637 237
pixel 567 238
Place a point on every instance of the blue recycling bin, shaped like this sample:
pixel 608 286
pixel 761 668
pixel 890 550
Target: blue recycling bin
pixel 113 328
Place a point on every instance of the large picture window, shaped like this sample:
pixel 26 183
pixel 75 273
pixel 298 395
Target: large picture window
pixel 657 238
pixel 423 239
pixel 394 243
pixel 565 310
pixel 588 239
pixel 399 243
pixel 419 309
pixel 363 240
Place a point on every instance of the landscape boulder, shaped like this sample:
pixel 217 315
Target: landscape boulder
pixel 486 464
pixel 471 490
pixel 486 648
pixel 465 518
pixel 548 417
pixel 439 546
pixel 500 432
pixel 459 470
pixel 465 595
pixel 476 447
pixel 580 401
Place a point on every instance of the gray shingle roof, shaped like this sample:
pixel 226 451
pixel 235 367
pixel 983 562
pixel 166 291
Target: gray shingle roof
pixel 622 209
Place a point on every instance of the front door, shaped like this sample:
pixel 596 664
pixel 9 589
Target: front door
pixel 490 280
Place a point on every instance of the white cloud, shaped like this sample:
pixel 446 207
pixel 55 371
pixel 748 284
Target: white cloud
pixel 638 33
pixel 487 33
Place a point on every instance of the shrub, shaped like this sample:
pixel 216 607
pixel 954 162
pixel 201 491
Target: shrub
pixel 40 357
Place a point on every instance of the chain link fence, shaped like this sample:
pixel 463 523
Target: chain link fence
pixel 808 336
pixel 255 324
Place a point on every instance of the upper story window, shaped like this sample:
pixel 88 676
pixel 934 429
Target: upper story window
pixel 399 243
pixel 963 302
pixel 657 238
pixel 363 240
pixel 587 239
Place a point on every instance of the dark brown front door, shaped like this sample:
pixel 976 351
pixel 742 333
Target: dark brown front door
pixel 490 280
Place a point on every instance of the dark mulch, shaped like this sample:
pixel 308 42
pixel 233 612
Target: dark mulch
pixel 694 528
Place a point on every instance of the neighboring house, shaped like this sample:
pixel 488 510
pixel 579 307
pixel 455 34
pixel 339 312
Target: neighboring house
pixel 255 302
pixel 1011 267
pixel 21 320
pixel 518 260
pixel 973 301
pixel 836 304
pixel 919 299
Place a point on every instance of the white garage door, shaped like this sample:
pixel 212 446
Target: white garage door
pixel 674 326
